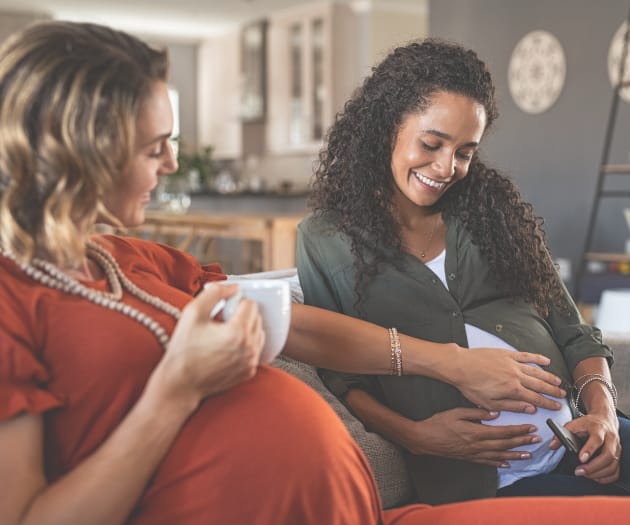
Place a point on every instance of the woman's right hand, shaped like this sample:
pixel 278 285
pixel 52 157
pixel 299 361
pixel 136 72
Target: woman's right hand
pixel 458 434
pixel 206 356
pixel 501 379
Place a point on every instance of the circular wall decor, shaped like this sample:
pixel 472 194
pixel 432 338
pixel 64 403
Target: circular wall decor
pixel 537 71
pixel 614 61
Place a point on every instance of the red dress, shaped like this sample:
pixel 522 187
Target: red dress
pixel 268 452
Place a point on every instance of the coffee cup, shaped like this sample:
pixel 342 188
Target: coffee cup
pixel 274 302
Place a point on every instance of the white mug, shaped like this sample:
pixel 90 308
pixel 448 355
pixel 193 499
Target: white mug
pixel 274 302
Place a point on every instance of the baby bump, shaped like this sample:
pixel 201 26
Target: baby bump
pixel 542 458
pixel 267 448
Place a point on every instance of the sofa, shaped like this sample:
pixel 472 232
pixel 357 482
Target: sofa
pixel 387 459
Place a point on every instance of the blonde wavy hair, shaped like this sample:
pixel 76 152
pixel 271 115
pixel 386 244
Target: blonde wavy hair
pixel 70 94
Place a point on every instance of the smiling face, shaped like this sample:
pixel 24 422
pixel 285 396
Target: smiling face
pixel 433 149
pixel 151 158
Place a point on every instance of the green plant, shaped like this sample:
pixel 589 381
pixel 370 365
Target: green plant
pixel 197 160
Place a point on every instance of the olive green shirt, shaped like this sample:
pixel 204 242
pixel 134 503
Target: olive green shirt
pixel 414 300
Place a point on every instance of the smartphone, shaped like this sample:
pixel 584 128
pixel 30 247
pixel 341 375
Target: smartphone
pixel 570 441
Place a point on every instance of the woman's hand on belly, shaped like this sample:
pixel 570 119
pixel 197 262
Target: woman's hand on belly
pixel 500 379
pixel 458 434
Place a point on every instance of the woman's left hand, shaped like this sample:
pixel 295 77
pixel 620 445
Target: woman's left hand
pixel 601 431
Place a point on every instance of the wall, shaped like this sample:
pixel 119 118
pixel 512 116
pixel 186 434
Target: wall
pixel 554 156
pixel 393 25
pixel 183 77
pixel 11 21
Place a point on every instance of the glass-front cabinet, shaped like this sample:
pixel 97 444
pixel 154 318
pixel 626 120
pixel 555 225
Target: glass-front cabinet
pixel 306 84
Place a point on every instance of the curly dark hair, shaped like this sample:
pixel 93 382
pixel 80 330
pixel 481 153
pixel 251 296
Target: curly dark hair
pixel 354 174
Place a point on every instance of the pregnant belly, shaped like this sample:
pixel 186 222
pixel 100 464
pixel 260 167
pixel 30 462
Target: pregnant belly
pixel 267 448
pixel 543 459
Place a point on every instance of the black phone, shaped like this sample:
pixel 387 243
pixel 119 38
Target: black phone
pixel 570 441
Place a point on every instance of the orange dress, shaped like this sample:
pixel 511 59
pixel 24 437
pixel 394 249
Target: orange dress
pixel 268 452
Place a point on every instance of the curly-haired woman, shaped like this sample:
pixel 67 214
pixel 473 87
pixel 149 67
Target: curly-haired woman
pixel 414 232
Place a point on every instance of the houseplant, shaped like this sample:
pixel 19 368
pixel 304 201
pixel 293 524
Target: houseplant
pixel 194 174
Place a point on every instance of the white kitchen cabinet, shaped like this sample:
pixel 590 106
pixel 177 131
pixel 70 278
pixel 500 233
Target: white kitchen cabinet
pixel 312 68
pixel 219 120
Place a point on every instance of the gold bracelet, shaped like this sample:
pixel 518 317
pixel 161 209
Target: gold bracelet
pixel 396 352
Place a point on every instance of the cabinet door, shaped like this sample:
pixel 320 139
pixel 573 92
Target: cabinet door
pixel 219 123
pixel 300 79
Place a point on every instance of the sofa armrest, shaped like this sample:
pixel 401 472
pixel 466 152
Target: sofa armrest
pixel 620 343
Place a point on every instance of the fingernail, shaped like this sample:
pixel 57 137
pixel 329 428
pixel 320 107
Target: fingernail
pixel 504 465
pixel 580 471
pixel 563 393
pixel 536 439
pixel 525 455
pixel 532 429
pixel 493 413
pixel 530 410
pixel 584 457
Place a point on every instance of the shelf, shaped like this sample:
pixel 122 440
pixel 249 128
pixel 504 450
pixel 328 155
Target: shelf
pixel 614 193
pixel 618 169
pixel 608 257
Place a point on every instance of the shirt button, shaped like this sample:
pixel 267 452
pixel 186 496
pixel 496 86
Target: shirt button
pixel 451 276
pixel 455 314
pixel 434 280
pixel 499 327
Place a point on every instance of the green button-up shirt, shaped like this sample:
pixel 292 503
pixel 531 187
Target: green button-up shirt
pixel 414 300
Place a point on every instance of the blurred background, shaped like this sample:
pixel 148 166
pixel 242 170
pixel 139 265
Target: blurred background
pixel 256 83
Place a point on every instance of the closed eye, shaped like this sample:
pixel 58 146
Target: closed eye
pixel 428 147
pixel 159 149
pixel 465 155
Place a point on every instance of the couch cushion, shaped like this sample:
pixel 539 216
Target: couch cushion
pixel 620 343
pixel 386 459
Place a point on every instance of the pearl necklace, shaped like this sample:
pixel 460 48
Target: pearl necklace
pixel 50 275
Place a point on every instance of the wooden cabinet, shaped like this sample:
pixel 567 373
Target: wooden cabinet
pixel 219 99
pixel 312 70
pixel 197 232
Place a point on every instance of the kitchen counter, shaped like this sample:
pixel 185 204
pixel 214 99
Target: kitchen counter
pixel 250 203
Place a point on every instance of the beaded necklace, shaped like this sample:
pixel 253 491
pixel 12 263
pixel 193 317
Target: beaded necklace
pixel 48 274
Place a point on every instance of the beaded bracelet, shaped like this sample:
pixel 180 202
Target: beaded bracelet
pixel 590 378
pixel 394 343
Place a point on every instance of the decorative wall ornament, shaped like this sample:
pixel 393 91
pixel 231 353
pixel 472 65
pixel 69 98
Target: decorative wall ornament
pixel 614 61
pixel 536 72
